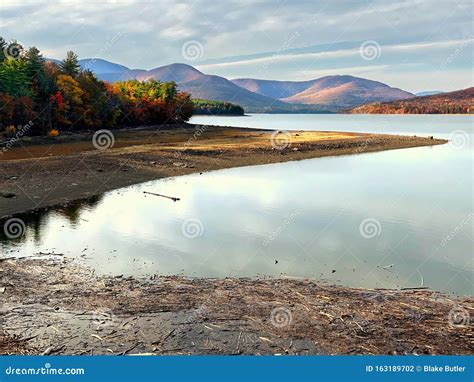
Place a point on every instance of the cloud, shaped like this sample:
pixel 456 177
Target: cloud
pixel 153 33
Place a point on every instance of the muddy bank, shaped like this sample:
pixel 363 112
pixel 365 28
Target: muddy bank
pixel 43 172
pixel 56 306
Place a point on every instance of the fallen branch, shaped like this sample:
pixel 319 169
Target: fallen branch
pixel 163 196
pixel 415 288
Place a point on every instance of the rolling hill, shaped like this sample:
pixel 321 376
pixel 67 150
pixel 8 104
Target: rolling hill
pixel 456 102
pixel 428 92
pixel 332 92
pixel 200 85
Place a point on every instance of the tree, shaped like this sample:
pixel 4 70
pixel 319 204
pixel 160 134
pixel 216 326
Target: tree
pixel 69 101
pixel 13 78
pixel 35 72
pixel 70 65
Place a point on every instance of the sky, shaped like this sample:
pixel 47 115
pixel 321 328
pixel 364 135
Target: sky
pixel 416 45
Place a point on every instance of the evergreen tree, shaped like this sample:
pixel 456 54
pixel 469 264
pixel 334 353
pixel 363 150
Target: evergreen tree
pixel 70 65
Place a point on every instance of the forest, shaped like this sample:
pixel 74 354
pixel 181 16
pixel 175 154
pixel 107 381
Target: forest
pixel 50 98
pixel 456 102
pixel 208 107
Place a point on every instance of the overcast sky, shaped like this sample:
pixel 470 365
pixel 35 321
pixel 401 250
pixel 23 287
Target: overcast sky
pixel 415 45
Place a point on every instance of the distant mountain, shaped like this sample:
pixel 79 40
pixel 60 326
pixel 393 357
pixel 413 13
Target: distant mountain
pixel 274 89
pixel 457 102
pixel 99 66
pixel 332 92
pixel 191 80
pixel 427 93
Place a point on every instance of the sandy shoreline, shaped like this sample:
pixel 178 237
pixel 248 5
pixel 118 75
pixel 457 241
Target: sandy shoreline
pixel 55 306
pixel 46 172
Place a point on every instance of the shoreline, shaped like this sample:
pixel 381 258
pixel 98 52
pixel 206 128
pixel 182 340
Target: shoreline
pixel 52 304
pixel 55 306
pixel 47 172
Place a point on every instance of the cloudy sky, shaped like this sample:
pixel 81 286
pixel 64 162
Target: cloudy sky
pixel 415 45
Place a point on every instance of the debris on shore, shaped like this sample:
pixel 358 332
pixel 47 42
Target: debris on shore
pixel 56 306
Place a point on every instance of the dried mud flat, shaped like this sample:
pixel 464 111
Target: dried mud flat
pixel 57 306
pixel 44 172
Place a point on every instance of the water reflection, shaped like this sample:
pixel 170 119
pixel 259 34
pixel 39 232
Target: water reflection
pixel 36 221
pixel 296 219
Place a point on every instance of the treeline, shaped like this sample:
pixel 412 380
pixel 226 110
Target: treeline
pixel 62 96
pixel 207 107
pixel 457 102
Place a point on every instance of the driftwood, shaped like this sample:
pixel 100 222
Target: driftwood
pixel 163 196
pixel 415 288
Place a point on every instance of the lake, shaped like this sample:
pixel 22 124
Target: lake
pixel 394 219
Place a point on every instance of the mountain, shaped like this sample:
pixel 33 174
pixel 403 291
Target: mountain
pixel 274 89
pixel 191 80
pixel 332 92
pixel 98 66
pixel 456 102
pixel 427 93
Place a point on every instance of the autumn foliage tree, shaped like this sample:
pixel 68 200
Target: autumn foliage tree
pixel 65 97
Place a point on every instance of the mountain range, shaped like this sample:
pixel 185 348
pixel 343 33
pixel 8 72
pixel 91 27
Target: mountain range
pixel 330 93
pixel 456 102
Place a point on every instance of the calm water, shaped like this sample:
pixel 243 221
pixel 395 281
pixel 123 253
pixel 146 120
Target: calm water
pixel 400 218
